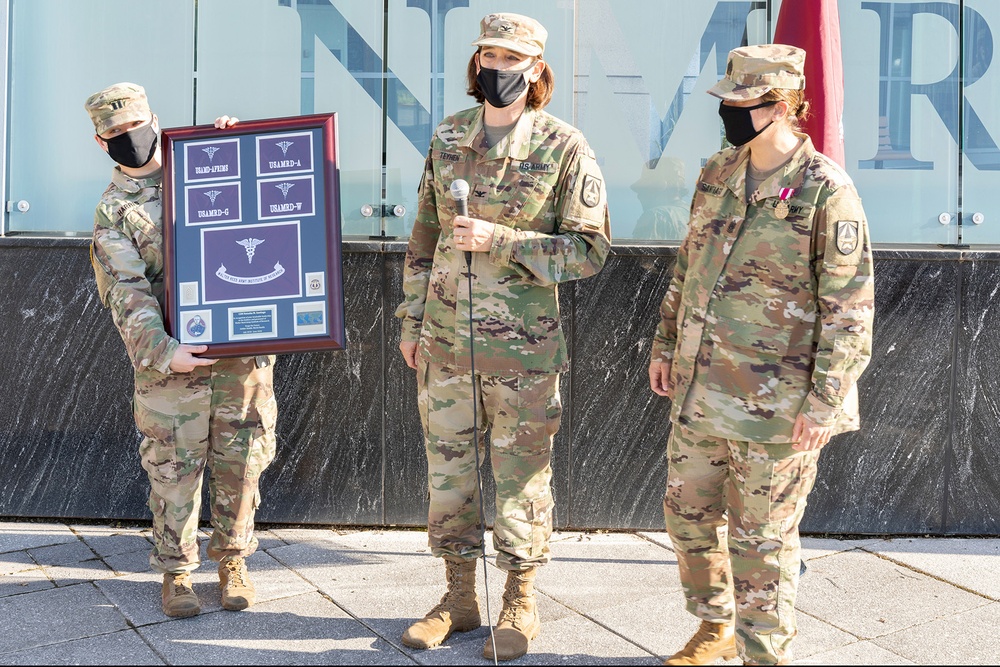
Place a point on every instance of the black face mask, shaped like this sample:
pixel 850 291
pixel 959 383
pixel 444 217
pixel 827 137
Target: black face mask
pixel 134 148
pixel 501 88
pixel 739 123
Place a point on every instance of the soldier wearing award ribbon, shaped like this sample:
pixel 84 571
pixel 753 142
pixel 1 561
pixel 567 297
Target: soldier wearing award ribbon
pixel 191 411
pixel 764 331
pixel 537 217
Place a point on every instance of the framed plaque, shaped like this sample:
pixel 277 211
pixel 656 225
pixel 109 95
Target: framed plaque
pixel 252 251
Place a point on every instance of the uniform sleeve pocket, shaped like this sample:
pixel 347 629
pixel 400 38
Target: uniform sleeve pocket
pixel 839 376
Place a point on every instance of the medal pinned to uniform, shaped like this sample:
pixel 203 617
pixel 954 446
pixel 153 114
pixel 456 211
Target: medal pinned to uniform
pixel 781 208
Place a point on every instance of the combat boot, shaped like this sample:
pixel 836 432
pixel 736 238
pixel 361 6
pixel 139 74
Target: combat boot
pixel 518 623
pixel 458 610
pixel 179 599
pixel 234 580
pixel 711 642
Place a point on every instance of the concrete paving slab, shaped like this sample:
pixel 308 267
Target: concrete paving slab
pixel 970 563
pixel 659 624
pixel 18 536
pixel 607 570
pixel 71 563
pixel 816 636
pixel 63 554
pixel 118 648
pixel 330 553
pixel 133 562
pixel 860 653
pixel 27 581
pixel 305 630
pixel 390 541
pixel 572 640
pixel 969 638
pixel 57 615
pixel 386 596
pixel 268 540
pixel 16 561
pixel 138 595
pixel 869 597
pixel 819 547
pixel 662 626
pixel 110 540
pixel 299 535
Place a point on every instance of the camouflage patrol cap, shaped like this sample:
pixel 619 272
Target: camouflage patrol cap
pixel 754 70
pixel 119 103
pixel 522 34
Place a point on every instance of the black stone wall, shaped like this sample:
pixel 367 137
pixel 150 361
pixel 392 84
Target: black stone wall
pixel 349 441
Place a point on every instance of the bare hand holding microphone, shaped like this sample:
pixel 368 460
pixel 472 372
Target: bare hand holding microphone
pixel 471 234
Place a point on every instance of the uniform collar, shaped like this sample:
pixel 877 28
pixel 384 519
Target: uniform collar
pixel 135 185
pixel 792 175
pixel 516 145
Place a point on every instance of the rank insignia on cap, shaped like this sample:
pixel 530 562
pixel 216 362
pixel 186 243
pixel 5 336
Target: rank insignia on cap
pixel 591 194
pixel 847 236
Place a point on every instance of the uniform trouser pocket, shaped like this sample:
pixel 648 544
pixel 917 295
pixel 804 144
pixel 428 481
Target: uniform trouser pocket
pixel 243 445
pixel 767 501
pixel 175 474
pixel 525 414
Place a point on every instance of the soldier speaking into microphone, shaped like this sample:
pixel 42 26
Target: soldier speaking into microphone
pixel 764 331
pixel 537 217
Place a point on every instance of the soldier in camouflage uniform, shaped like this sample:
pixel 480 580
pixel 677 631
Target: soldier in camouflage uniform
pixel 764 332
pixel 191 411
pixel 537 217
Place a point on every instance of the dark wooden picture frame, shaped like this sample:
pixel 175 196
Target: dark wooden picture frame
pixel 277 179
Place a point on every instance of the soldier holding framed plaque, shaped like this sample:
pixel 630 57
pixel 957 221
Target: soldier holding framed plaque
pixel 252 236
pixel 193 412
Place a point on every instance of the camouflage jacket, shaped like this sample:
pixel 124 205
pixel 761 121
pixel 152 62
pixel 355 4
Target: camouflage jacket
pixel 767 316
pixel 542 187
pixel 127 254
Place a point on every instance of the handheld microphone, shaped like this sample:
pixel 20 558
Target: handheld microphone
pixel 460 193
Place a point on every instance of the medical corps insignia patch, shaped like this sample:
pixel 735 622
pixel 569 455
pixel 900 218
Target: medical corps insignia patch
pixel 847 236
pixel 591 191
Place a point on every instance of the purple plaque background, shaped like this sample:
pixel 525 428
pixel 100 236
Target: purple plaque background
pixel 220 247
pixel 299 152
pixel 300 192
pixel 198 200
pixel 196 157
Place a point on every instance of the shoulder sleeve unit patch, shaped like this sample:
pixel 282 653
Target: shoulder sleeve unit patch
pixel 590 193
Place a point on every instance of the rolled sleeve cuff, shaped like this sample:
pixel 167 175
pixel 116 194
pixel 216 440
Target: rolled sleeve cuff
pixel 502 248
pixel 820 412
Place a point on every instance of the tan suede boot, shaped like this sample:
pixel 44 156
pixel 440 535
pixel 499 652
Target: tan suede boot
pixel 237 590
pixel 458 610
pixel 179 599
pixel 518 623
pixel 711 642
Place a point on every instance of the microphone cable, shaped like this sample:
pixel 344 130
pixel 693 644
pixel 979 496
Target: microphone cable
pixel 460 193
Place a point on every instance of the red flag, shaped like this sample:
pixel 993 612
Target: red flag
pixel 814 25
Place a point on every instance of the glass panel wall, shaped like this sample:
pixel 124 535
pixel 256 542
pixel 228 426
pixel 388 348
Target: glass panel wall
pixel 901 116
pixel 60 53
pixel 981 123
pixel 921 126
